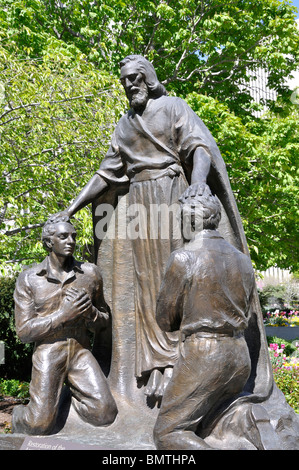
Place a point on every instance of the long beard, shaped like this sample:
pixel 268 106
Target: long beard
pixel 139 100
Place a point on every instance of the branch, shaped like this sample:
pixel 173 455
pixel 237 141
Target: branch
pixel 18 107
pixel 186 50
pixel 150 42
pixel 3 212
pixel 19 260
pixel 237 60
pixel 20 229
pixel 9 120
pixel 50 102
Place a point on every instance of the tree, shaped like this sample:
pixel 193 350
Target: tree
pixel 60 100
pixel 195 45
pixel 57 116
pixel 262 162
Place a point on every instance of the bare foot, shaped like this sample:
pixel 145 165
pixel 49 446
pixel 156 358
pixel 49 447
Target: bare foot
pixel 164 382
pixel 153 382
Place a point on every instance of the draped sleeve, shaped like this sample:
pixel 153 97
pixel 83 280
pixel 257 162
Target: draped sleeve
pixel 190 132
pixel 113 168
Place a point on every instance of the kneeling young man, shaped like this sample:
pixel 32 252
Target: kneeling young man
pixel 205 294
pixel 56 304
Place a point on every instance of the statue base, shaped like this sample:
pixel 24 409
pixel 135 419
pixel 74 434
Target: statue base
pixel 131 430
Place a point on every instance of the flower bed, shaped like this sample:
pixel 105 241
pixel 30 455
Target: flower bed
pixel 279 358
pixel 286 324
pixel 285 362
pixel 282 318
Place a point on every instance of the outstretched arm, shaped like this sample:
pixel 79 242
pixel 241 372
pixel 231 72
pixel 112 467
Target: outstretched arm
pixel 93 189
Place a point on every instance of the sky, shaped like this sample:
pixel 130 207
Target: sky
pixel 296 4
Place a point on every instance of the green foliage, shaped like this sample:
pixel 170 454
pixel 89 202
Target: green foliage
pixel 261 156
pixel 288 382
pixel 272 294
pixel 14 388
pixel 203 46
pixel 290 346
pixel 57 116
pixel 59 102
pixel 17 355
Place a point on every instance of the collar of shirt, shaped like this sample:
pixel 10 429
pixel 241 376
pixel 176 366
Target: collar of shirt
pixel 207 233
pixel 47 270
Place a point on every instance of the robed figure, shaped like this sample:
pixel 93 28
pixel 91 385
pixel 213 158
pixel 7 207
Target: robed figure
pixel 160 151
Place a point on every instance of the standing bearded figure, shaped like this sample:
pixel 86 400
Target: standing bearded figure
pixel 156 147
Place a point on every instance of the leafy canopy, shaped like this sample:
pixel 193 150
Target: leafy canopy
pixel 195 45
pixel 56 119
pixel 262 161
pixel 60 100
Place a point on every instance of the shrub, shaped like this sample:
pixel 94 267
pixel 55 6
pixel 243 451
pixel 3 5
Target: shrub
pixel 272 296
pixel 17 355
pixel 14 388
pixel 284 357
pixel 281 296
pixel 290 347
pixel 287 381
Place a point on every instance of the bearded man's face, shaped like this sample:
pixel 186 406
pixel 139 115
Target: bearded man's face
pixel 134 85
